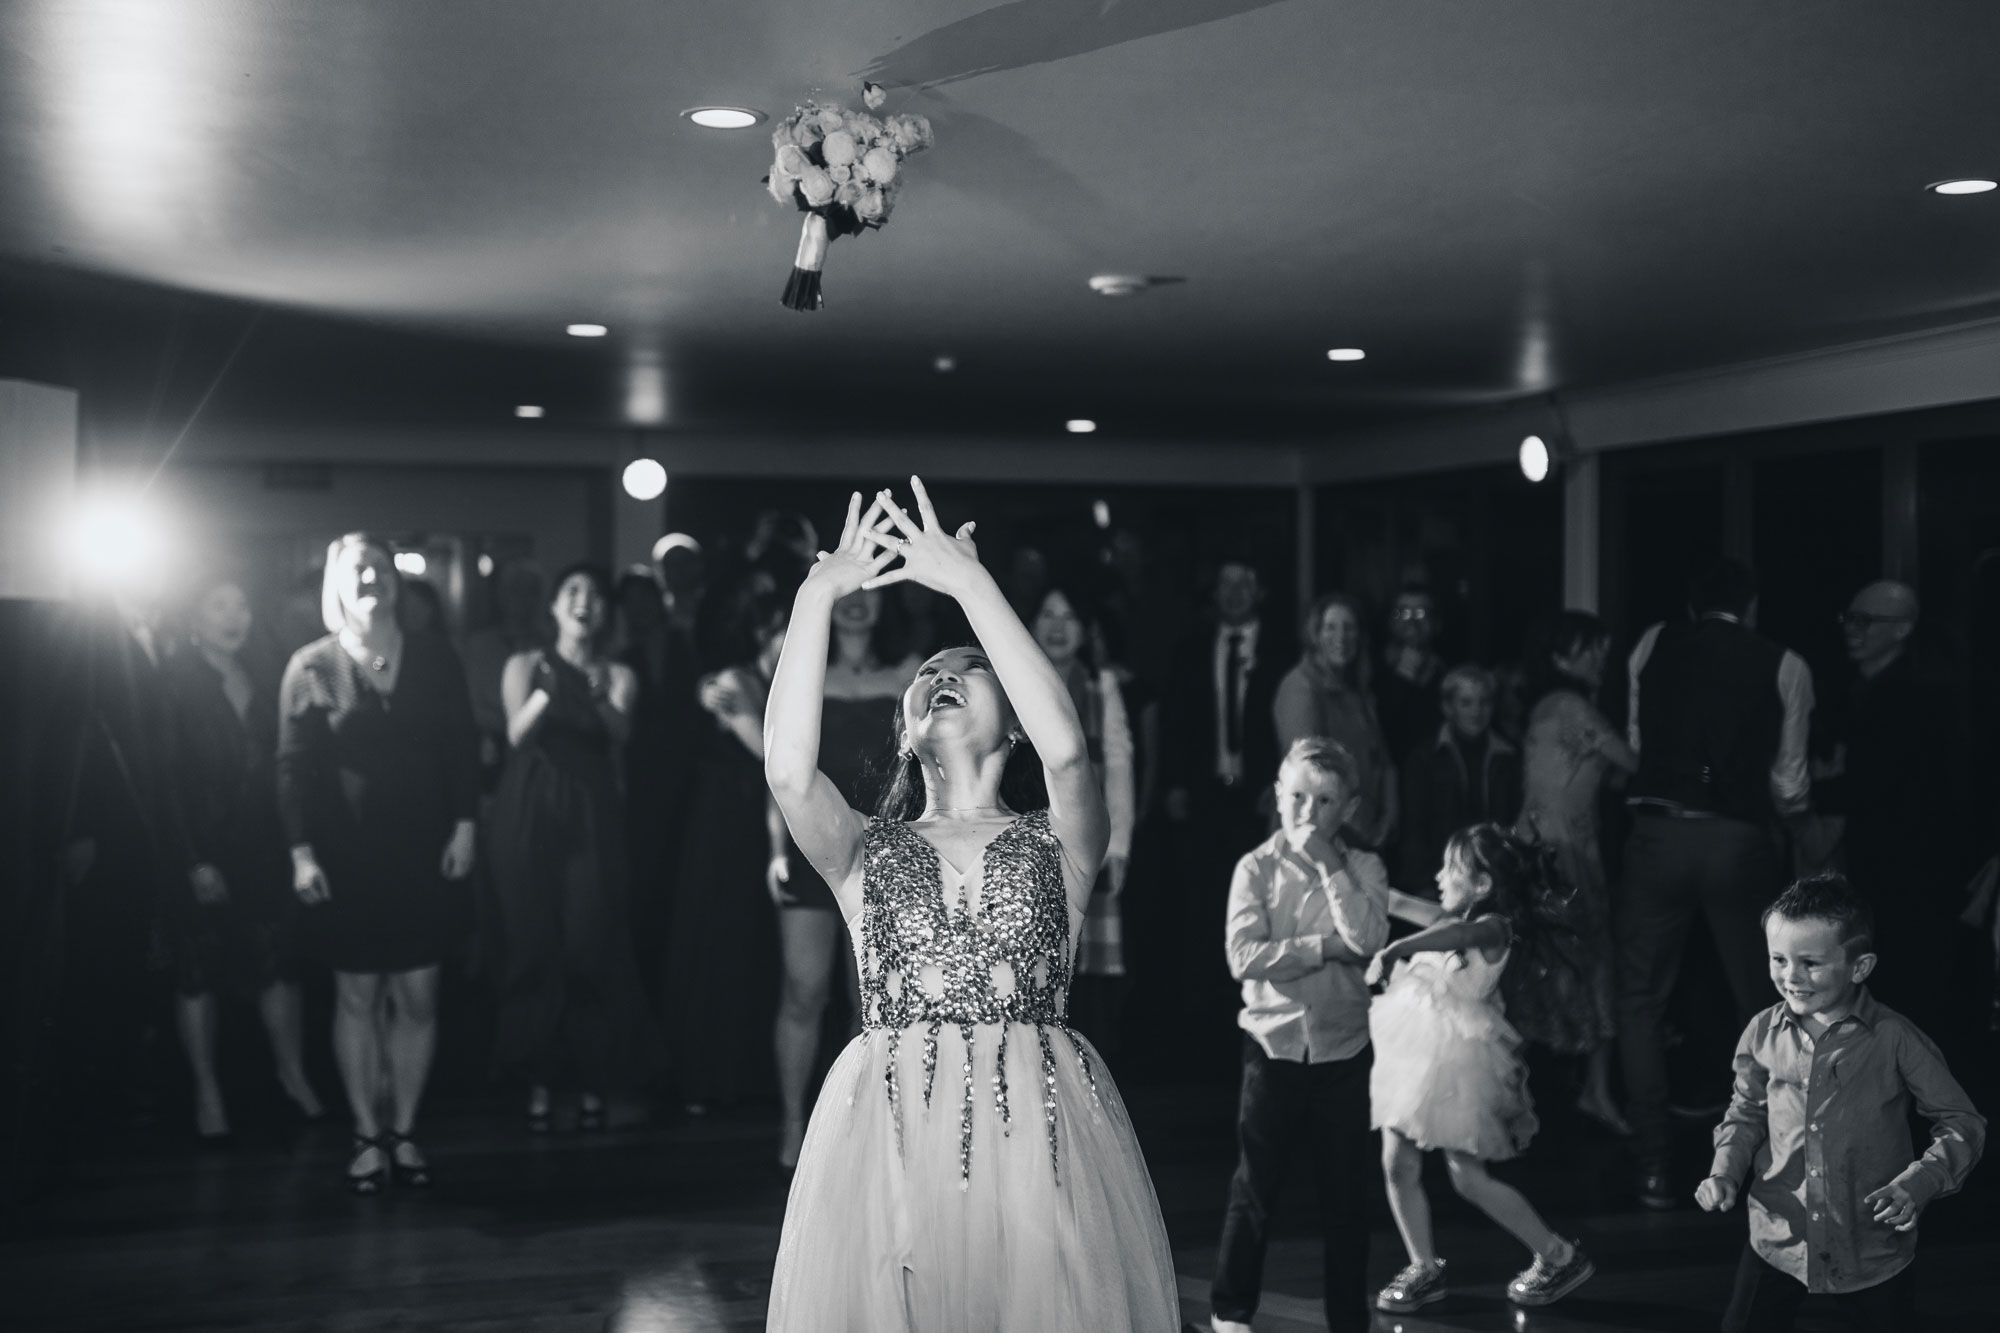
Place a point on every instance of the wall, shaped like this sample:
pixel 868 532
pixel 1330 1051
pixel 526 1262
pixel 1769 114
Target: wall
pixel 279 517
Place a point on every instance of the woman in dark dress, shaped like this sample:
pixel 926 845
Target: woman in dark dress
pixel 570 1000
pixel 378 782
pixel 234 927
pixel 721 953
pixel 865 677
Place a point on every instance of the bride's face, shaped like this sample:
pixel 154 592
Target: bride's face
pixel 956 700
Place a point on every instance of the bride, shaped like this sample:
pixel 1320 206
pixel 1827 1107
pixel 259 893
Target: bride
pixel 969 1165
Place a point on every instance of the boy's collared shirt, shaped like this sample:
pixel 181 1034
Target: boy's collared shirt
pixel 1281 909
pixel 1824 1124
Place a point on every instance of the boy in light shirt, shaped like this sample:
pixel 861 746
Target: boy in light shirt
pixel 1306 914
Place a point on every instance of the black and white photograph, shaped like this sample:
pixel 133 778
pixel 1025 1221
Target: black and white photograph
pixel 999 666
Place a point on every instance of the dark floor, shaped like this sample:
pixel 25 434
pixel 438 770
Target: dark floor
pixel 672 1225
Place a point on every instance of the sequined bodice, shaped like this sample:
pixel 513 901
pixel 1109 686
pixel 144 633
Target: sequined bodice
pixel 925 959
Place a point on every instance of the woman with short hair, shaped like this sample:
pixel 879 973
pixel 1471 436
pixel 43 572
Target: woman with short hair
pixel 378 784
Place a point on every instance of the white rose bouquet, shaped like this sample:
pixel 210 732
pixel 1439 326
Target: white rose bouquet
pixel 843 169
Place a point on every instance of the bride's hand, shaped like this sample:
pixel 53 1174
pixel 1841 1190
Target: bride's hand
pixel 855 559
pixel 930 557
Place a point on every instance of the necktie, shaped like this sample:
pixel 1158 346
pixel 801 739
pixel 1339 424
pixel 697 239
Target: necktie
pixel 1232 693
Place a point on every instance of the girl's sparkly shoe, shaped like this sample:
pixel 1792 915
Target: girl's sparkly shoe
pixel 1545 1283
pixel 1418 1285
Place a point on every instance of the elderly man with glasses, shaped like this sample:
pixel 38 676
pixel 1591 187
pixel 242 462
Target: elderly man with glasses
pixel 1886 783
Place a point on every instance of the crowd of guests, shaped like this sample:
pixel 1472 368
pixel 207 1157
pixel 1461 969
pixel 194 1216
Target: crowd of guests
pixel 577 790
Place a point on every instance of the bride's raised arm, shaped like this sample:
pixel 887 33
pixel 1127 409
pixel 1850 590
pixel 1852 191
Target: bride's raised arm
pixel 822 824
pixel 1041 702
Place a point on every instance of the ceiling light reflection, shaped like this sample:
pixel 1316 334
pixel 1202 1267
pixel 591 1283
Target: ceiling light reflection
pixel 129 91
pixel 1080 425
pixel 1967 186
pixel 1345 354
pixel 646 392
pixel 586 330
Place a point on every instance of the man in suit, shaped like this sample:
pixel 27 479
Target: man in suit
pixel 1219 759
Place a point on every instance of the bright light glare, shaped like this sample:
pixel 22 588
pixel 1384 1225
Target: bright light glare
pixel 528 411
pixel 1100 513
pixel 485 566
pixel 944 365
pixel 1964 187
pixel 1080 425
pixel 586 330
pixel 1345 354
pixel 1534 458
pixel 645 479
pixel 723 117
pixel 117 543
pixel 411 564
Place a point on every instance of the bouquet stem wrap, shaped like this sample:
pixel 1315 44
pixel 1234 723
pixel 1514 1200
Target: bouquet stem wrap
pixel 843 169
pixel 802 291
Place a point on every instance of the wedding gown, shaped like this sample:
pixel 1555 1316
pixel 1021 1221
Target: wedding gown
pixel 969 1166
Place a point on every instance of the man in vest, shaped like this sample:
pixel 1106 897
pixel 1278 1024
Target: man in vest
pixel 1719 716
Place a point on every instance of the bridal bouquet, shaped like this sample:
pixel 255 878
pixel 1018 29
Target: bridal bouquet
pixel 843 169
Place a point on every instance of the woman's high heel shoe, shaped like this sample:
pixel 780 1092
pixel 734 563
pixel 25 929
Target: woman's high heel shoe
pixel 365 1183
pixel 409 1175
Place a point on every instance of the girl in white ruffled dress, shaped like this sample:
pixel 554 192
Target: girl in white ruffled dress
pixel 1448 1072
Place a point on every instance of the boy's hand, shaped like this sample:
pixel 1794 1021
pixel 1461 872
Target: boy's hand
pixel 1717 1194
pixel 1378 967
pixel 1894 1206
pixel 1317 844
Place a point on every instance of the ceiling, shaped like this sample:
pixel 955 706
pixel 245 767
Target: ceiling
pixel 1496 200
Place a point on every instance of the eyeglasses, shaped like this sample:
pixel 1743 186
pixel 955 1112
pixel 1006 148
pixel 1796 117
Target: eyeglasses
pixel 1864 620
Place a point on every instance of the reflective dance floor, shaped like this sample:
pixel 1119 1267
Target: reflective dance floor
pixel 669 1226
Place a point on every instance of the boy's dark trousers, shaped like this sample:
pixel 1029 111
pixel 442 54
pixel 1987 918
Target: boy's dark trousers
pixel 1288 1106
pixel 1767 1301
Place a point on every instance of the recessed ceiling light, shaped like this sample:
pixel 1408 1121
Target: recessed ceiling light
pixel 1119 284
pixel 1345 354
pixel 1963 187
pixel 723 117
pixel 586 330
pixel 528 411
pixel 1080 425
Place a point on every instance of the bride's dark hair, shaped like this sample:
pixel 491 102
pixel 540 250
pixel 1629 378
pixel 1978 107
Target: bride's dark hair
pixel 903 797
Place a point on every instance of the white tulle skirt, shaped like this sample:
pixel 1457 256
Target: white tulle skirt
pixel 1448 1071
pixel 882 1240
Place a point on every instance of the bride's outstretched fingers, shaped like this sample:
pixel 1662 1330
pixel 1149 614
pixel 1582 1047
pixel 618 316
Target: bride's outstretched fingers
pixel 854 560
pixel 930 557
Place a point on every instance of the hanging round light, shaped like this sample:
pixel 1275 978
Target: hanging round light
pixel 645 479
pixel 1534 458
